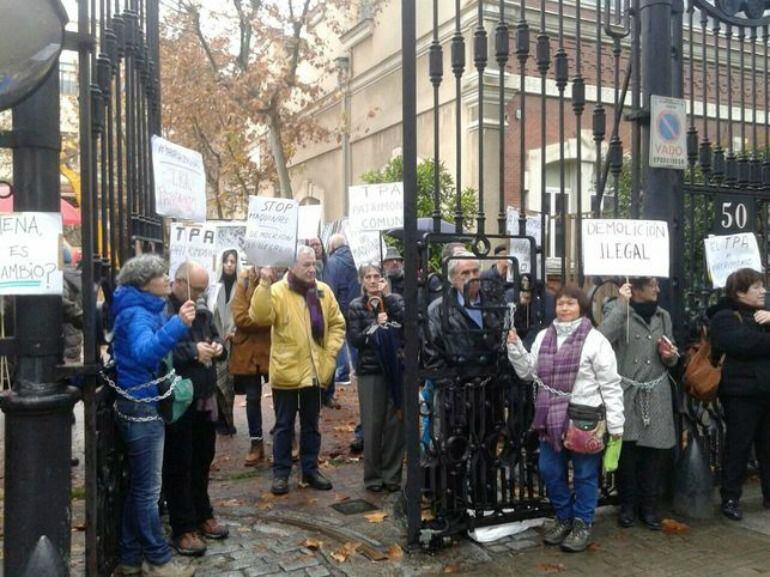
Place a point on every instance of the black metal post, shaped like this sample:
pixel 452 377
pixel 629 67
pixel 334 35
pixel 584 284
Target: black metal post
pixel 662 187
pixel 38 410
pixel 411 329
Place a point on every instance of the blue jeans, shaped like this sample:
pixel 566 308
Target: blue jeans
pixel 141 536
pixel 347 358
pixel 253 388
pixel 577 504
pixel 287 402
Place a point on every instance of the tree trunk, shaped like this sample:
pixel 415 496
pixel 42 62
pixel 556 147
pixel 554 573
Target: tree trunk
pixel 274 124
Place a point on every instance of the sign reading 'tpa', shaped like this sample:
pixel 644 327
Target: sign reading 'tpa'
pixel 668 140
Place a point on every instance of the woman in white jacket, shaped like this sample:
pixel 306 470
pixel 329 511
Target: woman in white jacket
pixel 576 374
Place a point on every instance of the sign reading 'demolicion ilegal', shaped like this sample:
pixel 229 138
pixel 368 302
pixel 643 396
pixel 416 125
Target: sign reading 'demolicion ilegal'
pixel 376 206
pixel 624 247
pixel 271 231
pixel 30 250
pixel 180 181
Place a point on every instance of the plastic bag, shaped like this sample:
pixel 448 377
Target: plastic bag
pixel 694 482
pixel 612 455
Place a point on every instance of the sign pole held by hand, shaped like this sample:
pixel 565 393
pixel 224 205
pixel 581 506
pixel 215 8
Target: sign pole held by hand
pixel 187 272
pixel 628 319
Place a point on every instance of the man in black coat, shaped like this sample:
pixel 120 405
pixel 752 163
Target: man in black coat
pixel 191 441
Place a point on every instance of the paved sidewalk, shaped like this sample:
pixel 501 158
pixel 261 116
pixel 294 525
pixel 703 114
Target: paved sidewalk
pixel 301 535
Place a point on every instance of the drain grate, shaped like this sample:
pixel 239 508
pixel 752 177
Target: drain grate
pixel 354 507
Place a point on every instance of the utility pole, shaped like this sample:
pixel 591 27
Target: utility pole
pixel 38 410
pixel 661 75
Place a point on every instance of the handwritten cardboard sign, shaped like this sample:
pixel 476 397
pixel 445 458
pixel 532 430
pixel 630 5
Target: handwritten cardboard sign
pixel 376 206
pixel 271 231
pixel 309 221
pixel 625 247
pixel 180 181
pixel 30 253
pixel 726 254
pixel 195 243
pixel 519 247
pixel 230 234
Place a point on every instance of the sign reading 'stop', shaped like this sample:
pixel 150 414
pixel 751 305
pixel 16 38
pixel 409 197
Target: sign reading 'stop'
pixel 376 206
pixel 625 247
pixel 180 181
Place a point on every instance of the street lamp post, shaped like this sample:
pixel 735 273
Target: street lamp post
pixel 38 408
pixel 342 64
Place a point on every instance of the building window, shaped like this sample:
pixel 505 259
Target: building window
pixel 68 81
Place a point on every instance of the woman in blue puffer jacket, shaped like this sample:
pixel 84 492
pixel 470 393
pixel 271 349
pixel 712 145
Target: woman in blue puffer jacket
pixel 142 336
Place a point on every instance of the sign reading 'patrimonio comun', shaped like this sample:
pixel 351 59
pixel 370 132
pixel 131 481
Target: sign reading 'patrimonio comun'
pixel 668 138
pixel 625 247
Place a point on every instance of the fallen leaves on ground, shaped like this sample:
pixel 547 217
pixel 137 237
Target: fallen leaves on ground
pixel 552 567
pixel 452 568
pixel 672 527
pixel 395 552
pixel 344 428
pixel 312 544
pixel 375 516
pixel 342 553
pixel 340 498
pixel 593 547
pixel 427 515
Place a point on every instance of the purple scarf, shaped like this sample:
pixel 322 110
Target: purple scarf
pixel 313 300
pixel 557 370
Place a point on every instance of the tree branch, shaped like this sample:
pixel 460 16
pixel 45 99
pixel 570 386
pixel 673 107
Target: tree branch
pixel 195 14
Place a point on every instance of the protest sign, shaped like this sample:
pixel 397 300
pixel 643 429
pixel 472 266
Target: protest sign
pixel 180 181
pixel 309 221
pixel 376 206
pixel 30 253
pixel 271 231
pixel 366 246
pixel 196 243
pixel 620 247
pixel 520 247
pixel 726 254
pixel 230 235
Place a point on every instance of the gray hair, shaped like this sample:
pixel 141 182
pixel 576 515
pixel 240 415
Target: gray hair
pixel 364 268
pixel 303 249
pixel 140 270
pixel 455 262
pixel 336 241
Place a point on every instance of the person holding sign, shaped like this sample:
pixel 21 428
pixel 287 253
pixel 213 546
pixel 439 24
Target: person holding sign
pixel 740 330
pixel 143 336
pixel 578 398
pixel 645 351
pixel 308 330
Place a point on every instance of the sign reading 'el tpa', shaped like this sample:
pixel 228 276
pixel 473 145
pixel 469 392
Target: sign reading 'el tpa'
pixel 668 138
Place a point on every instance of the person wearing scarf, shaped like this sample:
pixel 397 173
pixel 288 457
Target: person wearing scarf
pixel 308 330
pixel 380 378
pixel 571 363
pixel 642 335
pixel 219 302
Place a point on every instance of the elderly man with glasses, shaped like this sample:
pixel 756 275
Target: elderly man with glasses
pixel 191 441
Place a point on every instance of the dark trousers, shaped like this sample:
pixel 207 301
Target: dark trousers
pixel 748 424
pixel 189 451
pixel 639 475
pixel 287 402
pixel 251 385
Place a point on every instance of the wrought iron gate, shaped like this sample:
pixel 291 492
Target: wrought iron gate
pixel 551 64
pixel 119 111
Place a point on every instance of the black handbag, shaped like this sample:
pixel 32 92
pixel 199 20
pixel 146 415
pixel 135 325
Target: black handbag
pixel 694 481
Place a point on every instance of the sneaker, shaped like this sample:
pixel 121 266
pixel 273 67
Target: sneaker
pixel 578 539
pixel 557 531
pixel 280 486
pixel 357 445
pixel 316 481
pixel 170 569
pixel 189 545
pixel 732 510
pixel 331 404
pixel 343 382
pixel 124 570
pixel 211 529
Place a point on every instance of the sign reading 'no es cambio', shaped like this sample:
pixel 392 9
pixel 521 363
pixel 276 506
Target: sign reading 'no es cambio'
pixel 180 181
pixel 620 247
pixel 271 231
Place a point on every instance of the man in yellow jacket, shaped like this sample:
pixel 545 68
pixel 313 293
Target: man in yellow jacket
pixel 308 330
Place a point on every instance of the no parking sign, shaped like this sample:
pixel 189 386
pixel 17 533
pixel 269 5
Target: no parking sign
pixel 668 140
